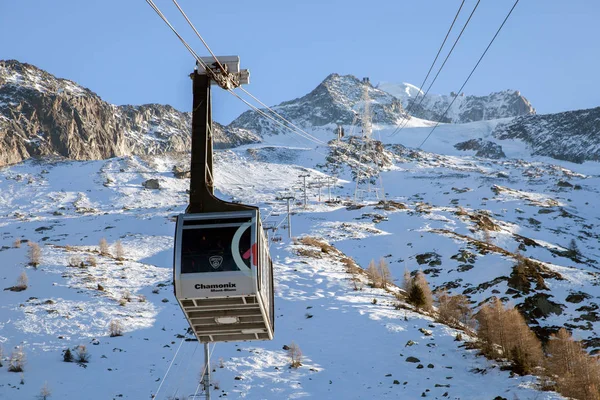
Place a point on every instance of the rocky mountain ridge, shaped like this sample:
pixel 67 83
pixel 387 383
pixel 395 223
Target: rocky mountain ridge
pixel 466 108
pixel 571 135
pixel 41 115
pixel 336 100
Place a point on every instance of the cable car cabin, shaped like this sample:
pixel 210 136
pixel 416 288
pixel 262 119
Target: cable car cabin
pixel 224 276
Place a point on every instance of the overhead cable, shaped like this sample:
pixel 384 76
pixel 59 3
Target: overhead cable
pixel 297 130
pixel 261 112
pixel 444 63
pixel 187 46
pixel 472 71
pixel 412 104
pixel 168 369
pixel 279 115
pixel 200 37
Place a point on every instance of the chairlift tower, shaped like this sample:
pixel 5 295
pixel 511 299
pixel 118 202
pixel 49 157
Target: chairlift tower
pixel 288 197
pixel 366 191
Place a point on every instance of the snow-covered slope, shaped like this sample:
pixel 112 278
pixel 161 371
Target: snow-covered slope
pixel 463 220
pixel 357 344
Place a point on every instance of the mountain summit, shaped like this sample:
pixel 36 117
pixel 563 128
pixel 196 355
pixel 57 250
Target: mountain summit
pixel 336 100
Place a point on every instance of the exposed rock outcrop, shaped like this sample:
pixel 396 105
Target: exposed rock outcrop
pixel 483 148
pixel 41 115
pixel 464 108
pixel 571 135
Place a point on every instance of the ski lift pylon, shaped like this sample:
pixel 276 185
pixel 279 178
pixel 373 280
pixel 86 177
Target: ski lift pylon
pixel 222 272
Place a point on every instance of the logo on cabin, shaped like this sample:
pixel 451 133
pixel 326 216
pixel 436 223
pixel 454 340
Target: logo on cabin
pixel 215 261
pixel 219 287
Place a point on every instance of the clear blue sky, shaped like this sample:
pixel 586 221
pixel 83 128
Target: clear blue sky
pixel 122 51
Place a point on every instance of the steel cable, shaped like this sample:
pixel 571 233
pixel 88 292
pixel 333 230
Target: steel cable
pixel 472 71
pixel 443 64
pixel 410 107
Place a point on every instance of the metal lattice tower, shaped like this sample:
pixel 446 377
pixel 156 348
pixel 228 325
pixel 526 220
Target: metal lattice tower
pixel 366 191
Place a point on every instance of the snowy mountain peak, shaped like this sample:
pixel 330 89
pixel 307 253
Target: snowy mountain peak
pixel 400 90
pixel 466 108
pixel 27 76
pixel 336 100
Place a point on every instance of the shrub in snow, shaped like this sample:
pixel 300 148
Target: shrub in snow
pixel 91 261
pixel 573 250
pixel 103 247
pixel 454 309
pixel 17 243
pixel 115 328
pixel 81 354
pixel 119 252
pixel 16 363
pixel 373 274
pixel 34 254
pixel 407 281
pixel 22 281
pixel 295 355
pixel 574 373
pixel 75 261
pixel 384 273
pixel 45 392
pixel 126 296
pixel 67 356
pixel 503 332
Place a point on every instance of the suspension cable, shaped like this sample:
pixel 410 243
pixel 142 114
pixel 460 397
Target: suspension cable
pixel 187 46
pixel 412 104
pixel 213 75
pixel 185 369
pixel 444 63
pixel 309 137
pixel 168 369
pixel 277 114
pixel 472 71
pixel 200 37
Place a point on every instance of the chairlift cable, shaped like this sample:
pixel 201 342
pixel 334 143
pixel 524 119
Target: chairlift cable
pixel 412 104
pixel 317 141
pixel 168 369
pixel 210 71
pixel 440 49
pixel 185 369
pixel 200 37
pixel 472 71
pixel 444 63
pixel 187 46
pixel 277 114
pixel 224 71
